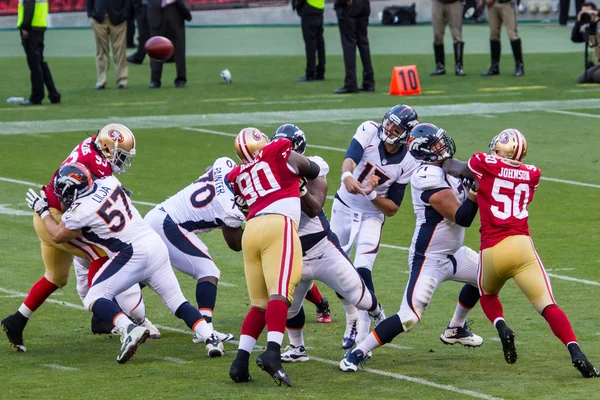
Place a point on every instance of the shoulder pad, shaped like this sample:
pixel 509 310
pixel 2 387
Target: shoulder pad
pixel 366 131
pixel 429 177
pixel 321 163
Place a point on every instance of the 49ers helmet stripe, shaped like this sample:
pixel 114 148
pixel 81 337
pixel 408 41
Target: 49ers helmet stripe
pixel 244 147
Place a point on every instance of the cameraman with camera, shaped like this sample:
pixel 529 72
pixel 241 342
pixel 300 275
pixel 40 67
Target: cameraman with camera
pixel 585 30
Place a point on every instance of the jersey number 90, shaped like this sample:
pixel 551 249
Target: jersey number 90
pixel 259 182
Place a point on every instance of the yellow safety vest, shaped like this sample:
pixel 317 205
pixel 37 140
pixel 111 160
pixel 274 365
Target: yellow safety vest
pixel 40 14
pixel 318 4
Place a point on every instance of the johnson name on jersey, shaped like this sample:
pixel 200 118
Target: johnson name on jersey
pixel 106 217
pixel 504 193
pixel 434 234
pixel 312 230
pixel 207 203
pixel 390 168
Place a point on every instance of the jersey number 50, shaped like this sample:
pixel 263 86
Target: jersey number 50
pixel 259 182
pixel 510 207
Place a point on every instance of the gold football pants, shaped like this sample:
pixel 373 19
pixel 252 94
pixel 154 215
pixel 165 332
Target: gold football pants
pixel 515 257
pixel 272 258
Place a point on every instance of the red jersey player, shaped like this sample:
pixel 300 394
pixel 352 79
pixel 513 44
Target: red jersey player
pixel 506 187
pixel 268 181
pixel 109 151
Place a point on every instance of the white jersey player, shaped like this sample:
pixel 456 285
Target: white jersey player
pixel 204 205
pixel 436 254
pixel 376 169
pixel 101 212
pixel 322 257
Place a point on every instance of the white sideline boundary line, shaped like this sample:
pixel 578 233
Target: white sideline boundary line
pixel 322 360
pixel 277 117
pixel 389 246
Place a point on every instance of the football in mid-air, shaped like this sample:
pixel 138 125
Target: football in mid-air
pixel 159 48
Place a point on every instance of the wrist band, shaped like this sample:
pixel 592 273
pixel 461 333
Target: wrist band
pixel 44 214
pixel 345 175
pixel 371 196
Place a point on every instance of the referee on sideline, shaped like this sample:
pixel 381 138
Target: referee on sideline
pixel 447 12
pixel 504 12
pixel 311 19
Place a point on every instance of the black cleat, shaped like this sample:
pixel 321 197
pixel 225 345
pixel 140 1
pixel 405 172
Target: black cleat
pixel 238 372
pixel 270 362
pixel 440 69
pixel 519 69
pixel 99 327
pixel 493 70
pixel 507 337
pixel 581 362
pixel 13 326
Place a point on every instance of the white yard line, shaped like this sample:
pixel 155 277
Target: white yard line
pixel 321 360
pixel 174 360
pixel 60 367
pixel 568 278
pixel 576 114
pixel 278 117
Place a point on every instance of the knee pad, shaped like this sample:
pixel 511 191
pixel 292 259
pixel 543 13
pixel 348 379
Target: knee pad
pixel 60 281
pixel 408 318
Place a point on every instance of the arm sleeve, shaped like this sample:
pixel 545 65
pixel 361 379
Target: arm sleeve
pixel 355 151
pixel 576 35
pixel 396 193
pixel 466 213
pixel 28 7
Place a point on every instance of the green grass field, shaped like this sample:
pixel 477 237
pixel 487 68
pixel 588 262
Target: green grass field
pixel 181 131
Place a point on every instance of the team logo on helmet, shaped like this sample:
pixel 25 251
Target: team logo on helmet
pixel 116 136
pixel 503 138
pixel 256 135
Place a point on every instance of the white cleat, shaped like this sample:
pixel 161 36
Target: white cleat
pixel 294 354
pixel 214 346
pixel 132 337
pixel 349 338
pixel 154 332
pixel 377 316
pixel 223 337
pixel 461 335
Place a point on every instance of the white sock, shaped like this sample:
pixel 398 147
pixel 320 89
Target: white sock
pixel 121 321
pixel 25 311
pixel 351 311
pixel 296 337
pixel 364 325
pixel 497 320
pixel 274 336
pixel 203 329
pixel 459 317
pixel 369 344
pixel 246 343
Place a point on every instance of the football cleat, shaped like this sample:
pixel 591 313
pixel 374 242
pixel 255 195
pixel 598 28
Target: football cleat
pixel 270 362
pixel 581 362
pixel 132 337
pixel 214 346
pixel 507 337
pixel 377 316
pixel 323 312
pixel 154 332
pixel 238 372
pixel 461 335
pixel 223 337
pixel 352 360
pixel 294 353
pixel 13 326
pixel 350 334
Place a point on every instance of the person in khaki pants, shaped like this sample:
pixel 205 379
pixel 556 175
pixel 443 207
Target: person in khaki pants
pixel 504 12
pixel 447 12
pixel 109 23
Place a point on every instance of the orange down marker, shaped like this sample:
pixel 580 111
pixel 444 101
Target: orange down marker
pixel 405 81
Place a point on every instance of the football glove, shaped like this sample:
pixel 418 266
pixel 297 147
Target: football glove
pixel 241 203
pixel 303 183
pixel 38 202
pixel 470 184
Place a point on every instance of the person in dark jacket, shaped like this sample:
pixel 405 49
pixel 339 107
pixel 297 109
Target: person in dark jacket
pixel 588 32
pixel 311 19
pixel 167 18
pixel 31 20
pixel 353 20
pixel 109 23
pixel 143 31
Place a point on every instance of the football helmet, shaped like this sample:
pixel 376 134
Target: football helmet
pixel 428 143
pixel 294 134
pixel 73 180
pixel 397 124
pixel 510 145
pixel 117 144
pixel 249 142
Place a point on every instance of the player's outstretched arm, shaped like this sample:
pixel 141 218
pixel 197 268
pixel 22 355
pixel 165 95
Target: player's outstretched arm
pixel 457 168
pixel 447 204
pixel 304 166
pixel 314 198
pixel 233 237
pixel 58 231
